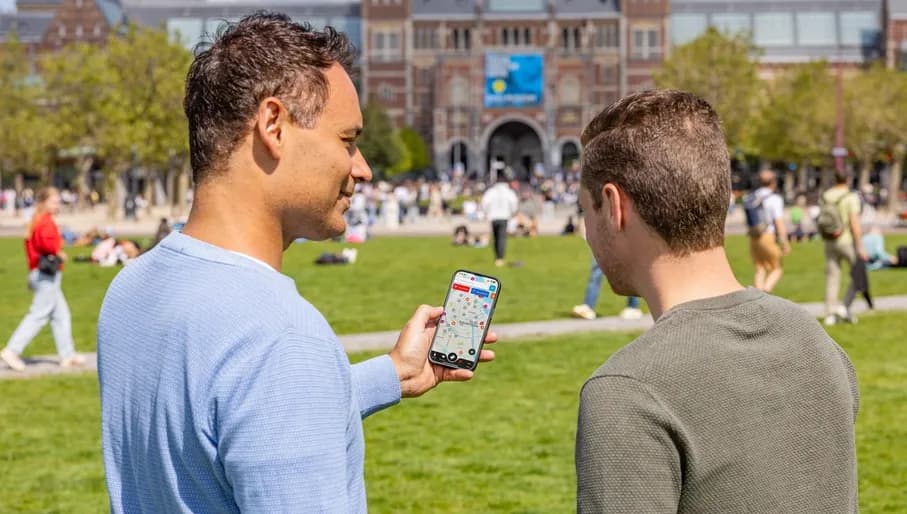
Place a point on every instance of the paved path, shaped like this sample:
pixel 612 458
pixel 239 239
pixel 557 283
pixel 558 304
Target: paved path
pixel 47 365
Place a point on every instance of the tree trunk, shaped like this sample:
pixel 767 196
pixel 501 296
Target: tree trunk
pixel 149 193
pixel 894 180
pixel 865 170
pixel 182 185
pixel 788 184
pixel 803 178
pixel 83 167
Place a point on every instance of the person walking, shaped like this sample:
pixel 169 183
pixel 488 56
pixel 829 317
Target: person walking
pixel 839 225
pixel 500 203
pixel 43 249
pixel 768 235
pixel 586 310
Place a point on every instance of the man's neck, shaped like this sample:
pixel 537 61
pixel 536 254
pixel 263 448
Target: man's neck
pixel 236 222
pixel 671 281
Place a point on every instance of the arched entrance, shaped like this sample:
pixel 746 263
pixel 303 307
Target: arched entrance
pixel 569 154
pixel 516 146
pixel 459 154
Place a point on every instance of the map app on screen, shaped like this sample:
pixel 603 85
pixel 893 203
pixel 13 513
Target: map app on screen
pixel 467 312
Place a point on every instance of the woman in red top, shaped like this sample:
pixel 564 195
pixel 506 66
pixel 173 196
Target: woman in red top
pixel 42 238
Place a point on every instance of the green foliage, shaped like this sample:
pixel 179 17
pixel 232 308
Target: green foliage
pixel 798 120
pixel 404 158
pixel 418 149
pixel 377 142
pixel 25 132
pixel 719 68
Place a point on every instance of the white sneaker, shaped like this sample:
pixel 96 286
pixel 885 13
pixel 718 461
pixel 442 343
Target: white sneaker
pixel 12 360
pixel 843 314
pixel 73 361
pixel 631 313
pixel 830 320
pixel 350 254
pixel 583 311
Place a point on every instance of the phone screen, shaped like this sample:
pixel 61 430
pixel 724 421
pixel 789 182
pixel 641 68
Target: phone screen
pixel 467 313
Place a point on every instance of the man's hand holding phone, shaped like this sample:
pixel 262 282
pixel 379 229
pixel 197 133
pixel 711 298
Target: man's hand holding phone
pixel 410 354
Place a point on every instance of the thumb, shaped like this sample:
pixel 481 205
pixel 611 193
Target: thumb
pixel 423 315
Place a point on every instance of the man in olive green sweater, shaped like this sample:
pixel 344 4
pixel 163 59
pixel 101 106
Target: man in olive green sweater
pixel 735 401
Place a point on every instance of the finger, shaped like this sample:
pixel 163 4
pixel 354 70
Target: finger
pixel 456 375
pixel 423 315
pixel 486 356
pixel 491 338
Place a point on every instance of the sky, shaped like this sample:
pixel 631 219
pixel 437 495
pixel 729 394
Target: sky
pixel 7 5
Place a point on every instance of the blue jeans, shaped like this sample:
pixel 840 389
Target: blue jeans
pixel 47 305
pixel 594 287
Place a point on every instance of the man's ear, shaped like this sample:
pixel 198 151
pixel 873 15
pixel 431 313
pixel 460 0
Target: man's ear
pixel 270 125
pixel 615 204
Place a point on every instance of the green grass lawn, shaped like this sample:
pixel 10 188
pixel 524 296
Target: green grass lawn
pixel 501 444
pixel 394 275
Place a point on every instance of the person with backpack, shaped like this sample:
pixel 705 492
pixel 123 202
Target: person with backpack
pixel 764 209
pixel 839 225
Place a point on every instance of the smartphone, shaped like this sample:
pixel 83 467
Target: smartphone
pixel 461 331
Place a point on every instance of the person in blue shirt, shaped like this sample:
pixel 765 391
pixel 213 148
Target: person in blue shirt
pixel 222 389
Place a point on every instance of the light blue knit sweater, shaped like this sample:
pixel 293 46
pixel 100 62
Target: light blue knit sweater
pixel 223 390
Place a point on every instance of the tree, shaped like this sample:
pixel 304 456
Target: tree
pixel 875 125
pixel 121 103
pixel 75 79
pixel 404 157
pixel 719 68
pixel 798 119
pixel 25 133
pixel 377 141
pixel 418 150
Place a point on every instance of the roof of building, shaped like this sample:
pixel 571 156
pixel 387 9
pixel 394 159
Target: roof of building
pixel 513 9
pixel 770 5
pixel 28 26
pixel 36 3
pixel 897 8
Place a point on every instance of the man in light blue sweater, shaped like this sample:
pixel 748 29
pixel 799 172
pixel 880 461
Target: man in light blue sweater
pixel 222 389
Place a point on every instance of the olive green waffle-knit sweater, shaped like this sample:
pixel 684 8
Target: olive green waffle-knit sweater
pixel 734 404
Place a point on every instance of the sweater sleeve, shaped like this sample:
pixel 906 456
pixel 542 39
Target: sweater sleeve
pixel 46 237
pixel 375 384
pixel 280 421
pixel 626 457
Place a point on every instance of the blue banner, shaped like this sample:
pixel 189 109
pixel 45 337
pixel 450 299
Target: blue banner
pixel 513 80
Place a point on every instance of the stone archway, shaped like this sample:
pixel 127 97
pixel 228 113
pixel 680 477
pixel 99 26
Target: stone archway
pixel 514 145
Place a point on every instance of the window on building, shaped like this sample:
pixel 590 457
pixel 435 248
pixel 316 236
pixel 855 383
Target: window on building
pixel 568 91
pixel 434 38
pixel 607 36
pixel 646 44
pixel 527 37
pixel 467 39
pixel 387 93
pixel 565 38
pixel 577 40
pixel 859 28
pixel 773 29
pixel 515 36
pixel 455 39
pixel 379 41
pixel 687 27
pixel 393 41
pixel 79 31
pixel 61 30
pixel 97 30
pixel 458 91
pixel 816 29
pixel 732 24
pixel 505 37
pixel 608 74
